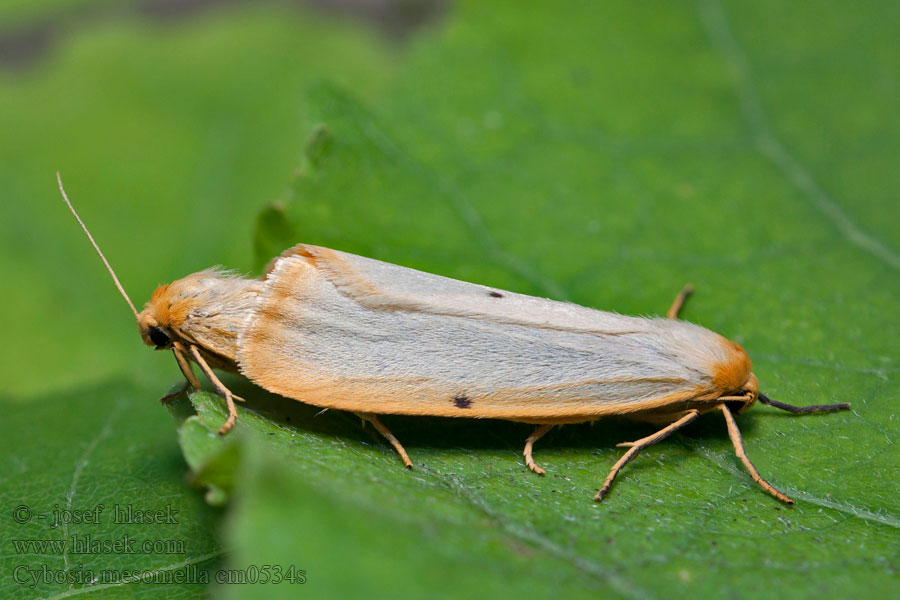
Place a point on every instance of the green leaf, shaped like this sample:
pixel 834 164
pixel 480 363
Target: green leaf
pixel 212 460
pixel 317 493
pixel 86 471
pixel 607 161
pixel 369 530
pixel 604 154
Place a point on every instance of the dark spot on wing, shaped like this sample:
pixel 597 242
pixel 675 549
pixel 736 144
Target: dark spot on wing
pixel 495 294
pixel 462 401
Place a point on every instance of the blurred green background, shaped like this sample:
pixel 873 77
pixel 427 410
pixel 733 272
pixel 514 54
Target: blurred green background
pixel 599 153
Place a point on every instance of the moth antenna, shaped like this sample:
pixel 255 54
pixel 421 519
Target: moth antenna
pixel 96 247
pixel 803 409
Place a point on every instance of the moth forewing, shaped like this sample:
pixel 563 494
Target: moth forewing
pixel 346 332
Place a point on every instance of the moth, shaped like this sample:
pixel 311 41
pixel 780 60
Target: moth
pixel 342 331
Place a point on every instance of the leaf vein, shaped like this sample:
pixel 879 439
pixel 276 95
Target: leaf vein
pixel 625 586
pixel 80 465
pixel 723 41
pixel 148 575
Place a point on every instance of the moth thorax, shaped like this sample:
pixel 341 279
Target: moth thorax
pixel 207 309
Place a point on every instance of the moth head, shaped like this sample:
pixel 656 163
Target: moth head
pixel 153 334
pixel 153 323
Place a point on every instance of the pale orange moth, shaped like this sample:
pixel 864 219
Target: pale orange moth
pixel 341 331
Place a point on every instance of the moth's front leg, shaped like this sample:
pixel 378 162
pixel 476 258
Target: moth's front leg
pixel 185 366
pixel 220 388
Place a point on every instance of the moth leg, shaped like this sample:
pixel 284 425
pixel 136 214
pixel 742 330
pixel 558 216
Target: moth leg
pixel 679 301
pixel 735 435
pixel 640 445
pixel 529 444
pixel 803 409
pixel 188 372
pixel 172 395
pixel 185 366
pixel 220 388
pixel 376 422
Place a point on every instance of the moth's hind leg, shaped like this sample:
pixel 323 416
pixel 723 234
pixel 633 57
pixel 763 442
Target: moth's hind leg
pixel 635 447
pixel 680 299
pixel 529 444
pixel 376 422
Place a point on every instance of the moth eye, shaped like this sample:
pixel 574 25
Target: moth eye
pixel 158 337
